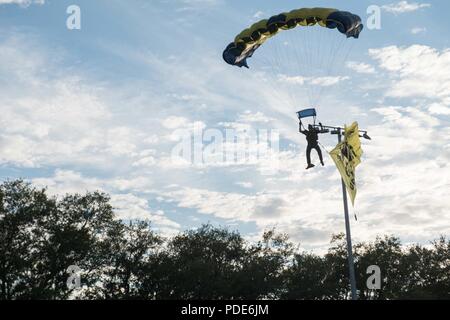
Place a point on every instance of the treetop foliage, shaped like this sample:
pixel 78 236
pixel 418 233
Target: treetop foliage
pixel 41 236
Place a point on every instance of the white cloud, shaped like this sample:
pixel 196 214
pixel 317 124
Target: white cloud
pixel 406 174
pixel 293 211
pixel 417 71
pixel 439 109
pixel 184 97
pixel 407 131
pixel 308 205
pixel 247 185
pixel 191 5
pixel 231 206
pixel 328 81
pixel 418 30
pixel 402 180
pixel 200 1
pixel 23 3
pixel 175 122
pixel 250 117
pixel 69 181
pixel 132 207
pixel 58 117
pixel 127 206
pixel 404 7
pixel 316 81
pixel 258 15
pixel 292 79
pixel 361 67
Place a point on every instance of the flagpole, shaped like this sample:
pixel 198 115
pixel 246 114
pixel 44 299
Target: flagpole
pixel 351 266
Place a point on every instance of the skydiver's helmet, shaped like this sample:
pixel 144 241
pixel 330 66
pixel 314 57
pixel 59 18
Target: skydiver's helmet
pixel 310 127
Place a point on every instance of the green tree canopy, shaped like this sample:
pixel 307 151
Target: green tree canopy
pixel 41 236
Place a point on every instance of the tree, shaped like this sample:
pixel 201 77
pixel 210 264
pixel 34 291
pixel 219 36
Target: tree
pixel 306 279
pixel 386 253
pixel 23 213
pixel 41 236
pixel 121 260
pixel 264 266
pixel 202 264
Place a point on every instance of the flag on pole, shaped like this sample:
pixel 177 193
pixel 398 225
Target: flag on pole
pixel 347 156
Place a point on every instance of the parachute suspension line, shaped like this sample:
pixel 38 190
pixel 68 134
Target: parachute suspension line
pixel 319 70
pixel 335 51
pixel 307 71
pixel 323 147
pixel 297 49
pixel 272 67
pixel 336 44
pixel 296 58
pixel 302 49
pixel 314 55
pixel 300 43
pixel 305 62
pixel 336 65
pixel 281 53
pixel 299 62
pixel 287 51
pixel 282 56
pixel 320 56
pixel 305 67
pixel 309 49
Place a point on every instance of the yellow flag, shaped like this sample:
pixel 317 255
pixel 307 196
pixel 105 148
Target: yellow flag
pixel 347 156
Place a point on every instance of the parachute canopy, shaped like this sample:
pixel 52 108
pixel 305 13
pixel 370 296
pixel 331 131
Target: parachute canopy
pixel 249 40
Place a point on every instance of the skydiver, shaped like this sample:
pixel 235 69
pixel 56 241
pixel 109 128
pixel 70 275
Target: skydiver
pixel 312 136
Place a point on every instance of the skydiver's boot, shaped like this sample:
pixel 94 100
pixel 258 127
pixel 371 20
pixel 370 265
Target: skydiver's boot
pixel 310 166
pixel 323 164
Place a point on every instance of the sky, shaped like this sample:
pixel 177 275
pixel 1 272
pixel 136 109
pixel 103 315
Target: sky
pixel 105 108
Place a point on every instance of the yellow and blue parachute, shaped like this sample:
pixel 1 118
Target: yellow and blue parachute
pixel 249 40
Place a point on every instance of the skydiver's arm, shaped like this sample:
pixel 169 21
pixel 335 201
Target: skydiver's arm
pixel 300 128
pixel 321 128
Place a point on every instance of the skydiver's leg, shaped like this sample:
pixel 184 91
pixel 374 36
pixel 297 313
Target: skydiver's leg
pixel 319 152
pixel 308 154
pixel 308 157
